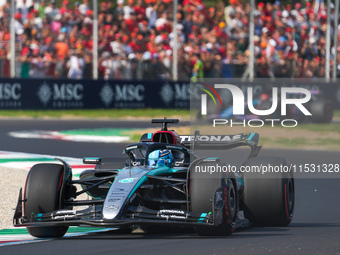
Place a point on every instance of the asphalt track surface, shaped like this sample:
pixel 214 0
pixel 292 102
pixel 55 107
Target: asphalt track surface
pixel 315 228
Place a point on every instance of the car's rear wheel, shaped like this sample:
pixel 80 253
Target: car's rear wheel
pixel 42 195
pixel 268 197
pixel 202 190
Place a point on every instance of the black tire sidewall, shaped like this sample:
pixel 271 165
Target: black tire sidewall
pixel 268 200
pixel 202 190
pixel 43 191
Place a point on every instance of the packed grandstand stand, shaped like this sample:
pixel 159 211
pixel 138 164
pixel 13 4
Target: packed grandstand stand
pixel 54 39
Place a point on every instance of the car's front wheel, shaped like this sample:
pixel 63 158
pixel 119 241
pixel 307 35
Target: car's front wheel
pixel 202 192
pixel 42 195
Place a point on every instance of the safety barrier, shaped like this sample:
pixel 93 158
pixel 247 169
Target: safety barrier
pixel 119 94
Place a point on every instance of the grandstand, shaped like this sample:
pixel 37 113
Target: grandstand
pixel 136 39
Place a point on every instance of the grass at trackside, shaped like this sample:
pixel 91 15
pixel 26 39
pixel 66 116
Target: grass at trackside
pixel 305 136
pixel 302 143
pixel 337 114
pixel 319 127
pixel 97 113
pixel 107 113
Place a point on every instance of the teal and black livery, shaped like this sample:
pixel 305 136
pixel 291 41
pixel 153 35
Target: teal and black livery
pixel 160 181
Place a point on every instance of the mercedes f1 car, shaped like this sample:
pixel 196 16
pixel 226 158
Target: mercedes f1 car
pixel 163 182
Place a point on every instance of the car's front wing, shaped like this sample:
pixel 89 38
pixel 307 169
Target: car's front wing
pixel 92 215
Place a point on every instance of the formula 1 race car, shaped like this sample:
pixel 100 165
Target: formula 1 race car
pixel 163 182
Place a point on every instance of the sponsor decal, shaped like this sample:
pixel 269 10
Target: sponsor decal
pixel 118 189
pixel 112 207
pixel 177 94
pixel 136 163
pixel 61 95
pixel 178 163
pixel 127 180
pixel 210 138
pixel 10 95
pixel 172 217
pixel 106 94
pixel 10 91
pixel 111 200
pixel 172 147
pixel 117 194
pixel 167 94
pixel 171 211
pixel 66 211
pixel 44 93
pixel 92 160
pixel 131 148
pixel 172 214
pixel 63 217
pixel 62 214
pixel 123 95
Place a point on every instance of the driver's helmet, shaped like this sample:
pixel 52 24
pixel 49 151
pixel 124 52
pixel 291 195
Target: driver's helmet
pixel 160 158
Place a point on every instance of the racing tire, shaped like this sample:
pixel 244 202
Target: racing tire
pixel 322 111
pixel 42 194
pixel 268 198
pixel 202 190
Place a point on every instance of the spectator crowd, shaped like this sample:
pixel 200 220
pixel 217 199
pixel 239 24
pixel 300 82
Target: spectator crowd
pixel 135 39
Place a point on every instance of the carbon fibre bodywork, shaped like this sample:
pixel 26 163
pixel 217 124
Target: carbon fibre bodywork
pixel 139 194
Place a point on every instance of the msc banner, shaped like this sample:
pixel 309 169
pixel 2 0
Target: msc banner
pixel 121 94
pixel 89 94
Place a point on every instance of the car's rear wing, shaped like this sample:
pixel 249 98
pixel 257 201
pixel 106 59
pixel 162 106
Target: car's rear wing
pixel 219 139
pixel 222 142
pixel 218 142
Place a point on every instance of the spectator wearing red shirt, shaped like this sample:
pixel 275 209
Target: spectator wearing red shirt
pixel 196 3
pixel 64 7
pixel 139 9
pixel 131 22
